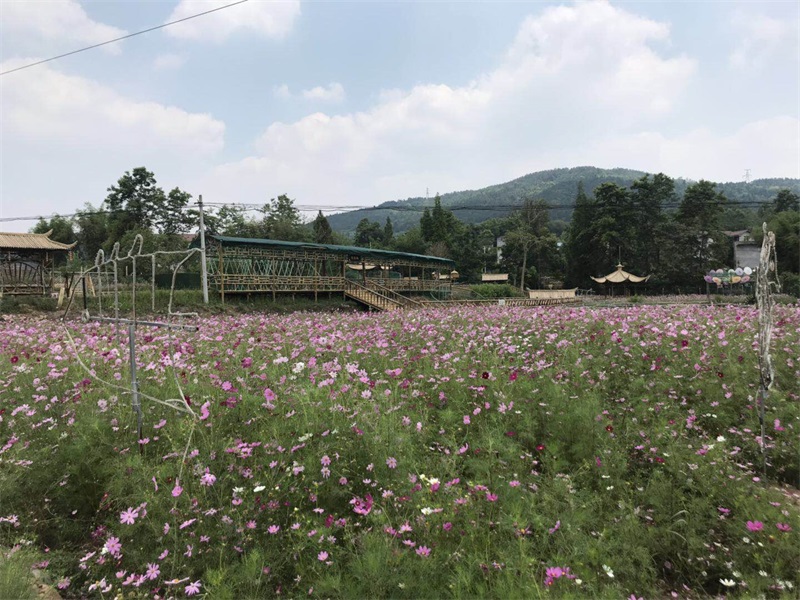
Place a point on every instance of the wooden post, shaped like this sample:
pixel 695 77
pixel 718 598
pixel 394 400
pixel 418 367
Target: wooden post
pixel 221 274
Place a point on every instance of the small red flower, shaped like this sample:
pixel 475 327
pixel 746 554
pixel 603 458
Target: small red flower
pixel 540 447
pixel 684 343
pixel 720 374
pixel 14 360
pixel 485 375
pixel 609 428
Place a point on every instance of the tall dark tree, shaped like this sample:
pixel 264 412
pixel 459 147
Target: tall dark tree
pixel 368 234
pixel 388 232
pixel 786 200
pixel 649 197
pixel 282 220
pixel 581 255
pixel 93 231
pixel 529 224
pixel 410 241
pixel 62 228
pixel 137 203
pixel 698 217
pixel 323 234
pixel 613 227
pixel 426 225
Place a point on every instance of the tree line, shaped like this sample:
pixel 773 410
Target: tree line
pixel 647 226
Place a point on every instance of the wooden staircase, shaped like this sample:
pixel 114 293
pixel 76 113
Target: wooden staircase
pixel 372 298
pixel 385 291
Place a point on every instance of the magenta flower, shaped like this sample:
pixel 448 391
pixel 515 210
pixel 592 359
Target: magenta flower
pixel 362 506
pixel 113 546
pixel 128 517
pixel 555 528
pixel 783 526
pixel 755 525
pixel 193 588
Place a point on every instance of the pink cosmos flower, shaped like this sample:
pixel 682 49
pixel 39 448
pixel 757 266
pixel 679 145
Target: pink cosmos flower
pixel 391 462
pixel 555 528
pixel 128 517
pixel 153 571
pixel 208 479
pixel 177 490
pixel 423 551
pixel 783 526
pixel 322 556
pixel 362 506
pixel 273 529
pixel 193 588
pixel 113 546
pixel 755 525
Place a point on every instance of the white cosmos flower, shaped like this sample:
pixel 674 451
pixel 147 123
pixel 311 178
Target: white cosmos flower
pixel 727 582
pixel 259 488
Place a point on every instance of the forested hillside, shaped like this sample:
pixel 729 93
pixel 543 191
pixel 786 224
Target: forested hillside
pixel 557 187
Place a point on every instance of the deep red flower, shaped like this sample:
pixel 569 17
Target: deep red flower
pixel 720 374
pixel 540 447
pixel 684 343
pixel 609 428
pixel 485 375
pixel 14 360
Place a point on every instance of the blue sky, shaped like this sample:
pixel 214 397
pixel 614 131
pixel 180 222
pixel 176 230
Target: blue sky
pixel 356 103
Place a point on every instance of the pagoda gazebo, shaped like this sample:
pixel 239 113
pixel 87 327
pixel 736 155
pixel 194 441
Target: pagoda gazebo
pixel 620 278
pixel 26 262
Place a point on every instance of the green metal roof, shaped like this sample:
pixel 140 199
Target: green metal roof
pixel 363 253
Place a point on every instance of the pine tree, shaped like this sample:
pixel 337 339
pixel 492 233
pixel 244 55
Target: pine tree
pixel 323 234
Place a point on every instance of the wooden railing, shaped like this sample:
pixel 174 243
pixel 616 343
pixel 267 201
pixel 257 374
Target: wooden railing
pixel 370 297
pixel 504 302
pixel 377 284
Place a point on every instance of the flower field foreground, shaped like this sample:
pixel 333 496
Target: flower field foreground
pixel 466 452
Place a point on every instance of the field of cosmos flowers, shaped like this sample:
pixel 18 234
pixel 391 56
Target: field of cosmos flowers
pixel 461 452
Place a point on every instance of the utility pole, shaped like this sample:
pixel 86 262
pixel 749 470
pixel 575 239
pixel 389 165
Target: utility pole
pixel 203 270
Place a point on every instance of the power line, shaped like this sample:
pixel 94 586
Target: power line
pixel 308 208
pixel 124 37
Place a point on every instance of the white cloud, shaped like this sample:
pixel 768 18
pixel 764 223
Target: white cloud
pixel 282 92
pixel 168 61
pixel 37 27
pixel 268 19
pixel 768 147
pixel 333 93
pixel 571 73
pixel 760 38
pixel 46 105
pixel 63 135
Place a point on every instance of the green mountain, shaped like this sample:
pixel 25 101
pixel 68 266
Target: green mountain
pixel 558 187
